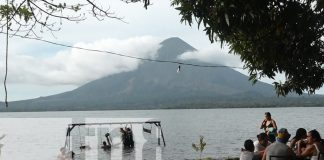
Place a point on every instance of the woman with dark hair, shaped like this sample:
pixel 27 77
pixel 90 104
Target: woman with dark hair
pixel 315 149
pixel 270 127
pixel 301 134
pixel 247 153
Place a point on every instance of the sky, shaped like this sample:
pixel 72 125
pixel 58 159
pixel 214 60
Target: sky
pixel 41 69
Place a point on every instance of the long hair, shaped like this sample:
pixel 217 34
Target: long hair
pixel 315 134
pixel 300 133
pixel 268 114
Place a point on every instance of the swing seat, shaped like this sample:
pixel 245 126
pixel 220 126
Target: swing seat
pixel 85 147
pixel 147 130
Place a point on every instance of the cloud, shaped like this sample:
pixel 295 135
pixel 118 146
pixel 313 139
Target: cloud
pixel 76 67
pixel 213 55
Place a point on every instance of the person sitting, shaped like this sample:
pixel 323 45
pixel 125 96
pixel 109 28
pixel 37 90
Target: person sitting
pixel 270 127
pixel 248 152
pixel 315 147
pixel 105 146
pixel 301 134
pixel 279 150
pixel 260 145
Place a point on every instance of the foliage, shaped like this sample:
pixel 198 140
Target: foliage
pixel 271 37
pixel 200 147
pixel 33 16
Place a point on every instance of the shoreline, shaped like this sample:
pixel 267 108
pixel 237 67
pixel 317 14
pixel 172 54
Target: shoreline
pixel 168 108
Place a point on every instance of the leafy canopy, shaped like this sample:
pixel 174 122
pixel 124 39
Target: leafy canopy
pixel 271 37
pixel 34 16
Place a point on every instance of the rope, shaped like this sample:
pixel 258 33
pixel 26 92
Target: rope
pixel 99 144
pixel 88 141
pixel 7 46
pixel 80 137
pixel 127 56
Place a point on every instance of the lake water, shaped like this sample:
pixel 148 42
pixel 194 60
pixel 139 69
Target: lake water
pixel 40 135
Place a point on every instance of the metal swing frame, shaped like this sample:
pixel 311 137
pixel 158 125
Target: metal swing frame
pixel 73 125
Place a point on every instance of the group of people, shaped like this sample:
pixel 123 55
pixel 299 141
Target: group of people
pixel 274 144
pixel 126 136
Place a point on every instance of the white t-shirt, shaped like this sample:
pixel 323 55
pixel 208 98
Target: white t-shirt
pixel 258 147
pixel 246 155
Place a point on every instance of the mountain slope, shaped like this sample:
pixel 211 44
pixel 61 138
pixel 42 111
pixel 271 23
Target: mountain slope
pixel 158 85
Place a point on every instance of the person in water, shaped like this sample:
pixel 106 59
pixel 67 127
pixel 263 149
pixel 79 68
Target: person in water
pixel 127 137
pixel 106 145
pixel 270 127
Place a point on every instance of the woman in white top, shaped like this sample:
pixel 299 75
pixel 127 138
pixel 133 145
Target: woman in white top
pixel 315 147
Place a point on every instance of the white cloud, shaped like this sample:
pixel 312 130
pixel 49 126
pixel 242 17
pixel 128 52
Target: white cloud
pixel 76 67
pixel 214 55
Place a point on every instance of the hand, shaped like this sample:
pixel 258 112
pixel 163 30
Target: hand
pixel 263 124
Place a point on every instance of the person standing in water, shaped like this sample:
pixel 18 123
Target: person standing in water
pixel 270 127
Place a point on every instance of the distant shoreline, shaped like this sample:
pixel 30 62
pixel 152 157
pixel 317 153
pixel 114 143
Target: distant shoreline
pixel 169 108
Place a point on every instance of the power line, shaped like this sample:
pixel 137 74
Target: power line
pixel 6 70
pixel 123 55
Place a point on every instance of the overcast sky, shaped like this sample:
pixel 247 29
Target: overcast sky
pixel 41 69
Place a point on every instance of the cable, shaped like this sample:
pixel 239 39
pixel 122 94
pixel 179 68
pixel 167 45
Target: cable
pixel 7 46
pixel 123 55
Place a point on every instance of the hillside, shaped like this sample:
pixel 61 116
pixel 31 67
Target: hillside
pixel 158 85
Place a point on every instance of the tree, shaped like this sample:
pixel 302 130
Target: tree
pixel 33 16
pixel 271 37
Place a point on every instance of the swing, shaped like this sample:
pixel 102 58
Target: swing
pixel 84 146
pixel 147 130
pixel 100 136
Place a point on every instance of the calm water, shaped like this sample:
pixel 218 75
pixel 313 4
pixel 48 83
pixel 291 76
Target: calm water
pixel 40 135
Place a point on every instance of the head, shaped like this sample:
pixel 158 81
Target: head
pixel 313 136
pixel 263 139
pixel 283 135
pixel 267 115
pixel 104 143
pixel 301 134
pixel 248 145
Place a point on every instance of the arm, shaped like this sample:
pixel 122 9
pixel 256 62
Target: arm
pixel 308 151
pixel 263 124
pixel 274 124
pixel 293 143
pixel 264 157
